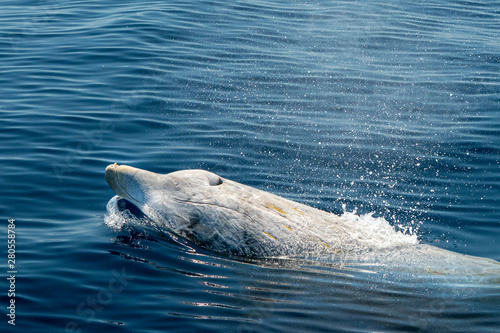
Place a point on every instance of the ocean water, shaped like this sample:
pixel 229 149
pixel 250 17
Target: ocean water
pixel 387 108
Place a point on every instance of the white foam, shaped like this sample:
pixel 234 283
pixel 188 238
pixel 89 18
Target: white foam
pixel 377 232
pixel 114 218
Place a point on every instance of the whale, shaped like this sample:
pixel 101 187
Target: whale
pixel 230 218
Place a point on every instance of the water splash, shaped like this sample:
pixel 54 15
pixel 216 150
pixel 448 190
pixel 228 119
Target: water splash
pixel 377 233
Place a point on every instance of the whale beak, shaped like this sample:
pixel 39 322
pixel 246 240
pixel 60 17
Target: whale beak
pixel 121 180
pixel 130 183
pixel 111 174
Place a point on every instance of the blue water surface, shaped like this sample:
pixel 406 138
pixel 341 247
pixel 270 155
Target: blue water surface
pixel 383 107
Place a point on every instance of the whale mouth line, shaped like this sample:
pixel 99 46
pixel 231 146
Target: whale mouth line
pixel 205 204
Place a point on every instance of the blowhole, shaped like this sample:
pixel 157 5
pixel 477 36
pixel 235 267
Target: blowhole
pixel 215 181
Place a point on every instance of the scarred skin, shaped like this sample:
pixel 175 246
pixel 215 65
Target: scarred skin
pixel 222 215
pixel 230 218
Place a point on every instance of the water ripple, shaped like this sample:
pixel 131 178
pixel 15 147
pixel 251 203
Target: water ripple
pixel 384 107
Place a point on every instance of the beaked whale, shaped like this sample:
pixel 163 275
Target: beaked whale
pixel 230 218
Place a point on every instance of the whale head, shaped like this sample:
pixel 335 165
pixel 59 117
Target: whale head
pixel 141 187
pixel 183 201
